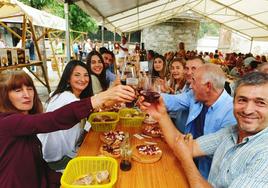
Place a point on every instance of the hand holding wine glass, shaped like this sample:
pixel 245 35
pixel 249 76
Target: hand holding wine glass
pixel 151 89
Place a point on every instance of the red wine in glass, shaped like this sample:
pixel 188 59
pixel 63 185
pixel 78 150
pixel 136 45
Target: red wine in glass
pixel 150 96
pixel 125 165
pixel 123 82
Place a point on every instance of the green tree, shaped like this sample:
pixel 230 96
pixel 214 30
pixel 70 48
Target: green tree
pixel 78 19
pixel 208 28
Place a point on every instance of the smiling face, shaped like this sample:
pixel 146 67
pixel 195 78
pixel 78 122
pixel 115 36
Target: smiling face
pixel 177 70
pixel 96 66
pixel 22 98
pixel 79 80
pixel 251 108
pixel 158 64
pixel 108 59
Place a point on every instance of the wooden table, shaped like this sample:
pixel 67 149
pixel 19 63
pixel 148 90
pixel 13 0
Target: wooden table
pixel 28 65
pixel 166 173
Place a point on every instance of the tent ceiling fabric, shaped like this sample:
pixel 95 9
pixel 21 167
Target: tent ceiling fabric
pixel 38 17
pixel 247 17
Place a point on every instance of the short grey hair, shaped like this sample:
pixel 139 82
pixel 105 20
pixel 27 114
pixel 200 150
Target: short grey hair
pixel 252 79
pixel 260 66
pixel 214 74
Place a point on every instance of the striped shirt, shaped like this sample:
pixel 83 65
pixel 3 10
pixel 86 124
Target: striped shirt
pixel 237 165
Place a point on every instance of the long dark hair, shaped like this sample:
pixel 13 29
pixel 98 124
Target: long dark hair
pixel 162 73
pixel 65 78
pixel 102 76
pixel 10 80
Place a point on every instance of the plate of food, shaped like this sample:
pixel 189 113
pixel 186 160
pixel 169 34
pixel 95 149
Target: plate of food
pixel 112 137
pixel 152 130
pixel 110 150
pixel 146 153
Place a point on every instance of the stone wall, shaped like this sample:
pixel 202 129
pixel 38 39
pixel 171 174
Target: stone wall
pixel 166 36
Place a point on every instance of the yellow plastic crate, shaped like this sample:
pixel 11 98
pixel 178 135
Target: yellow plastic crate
pixel 104 126
pixel 130 121
pixel 83 165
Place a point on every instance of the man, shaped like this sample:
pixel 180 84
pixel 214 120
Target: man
pixel 123 51
pixel 263 67
pixel 75 50
pixel 210 106
pixel 108 58
pixel 190 67
pixel 150 59
pixel 88 47
pixel 240 153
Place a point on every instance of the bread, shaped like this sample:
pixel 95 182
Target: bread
pixel 146 153
pixel 112 137
pixel 84 180
pixel 152 130
pixel 110 151
pixel 102 177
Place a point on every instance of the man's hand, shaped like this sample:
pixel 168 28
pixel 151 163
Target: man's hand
pixel 156 110
pixel 183 147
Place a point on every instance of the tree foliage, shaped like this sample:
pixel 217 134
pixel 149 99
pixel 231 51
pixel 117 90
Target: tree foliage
pixel 78 19
pixel 210 29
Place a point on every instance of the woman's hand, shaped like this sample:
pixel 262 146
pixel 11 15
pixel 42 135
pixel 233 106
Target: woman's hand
pixel 116 94
pixel 117 81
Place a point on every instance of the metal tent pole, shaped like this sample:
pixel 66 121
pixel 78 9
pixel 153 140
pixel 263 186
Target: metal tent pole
pixel 67 32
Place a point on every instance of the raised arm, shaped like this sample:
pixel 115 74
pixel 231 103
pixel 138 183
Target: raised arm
pixel 183 146
pixel 158 112
pixel 18 124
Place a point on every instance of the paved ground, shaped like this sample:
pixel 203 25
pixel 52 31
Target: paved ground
pixel 53 81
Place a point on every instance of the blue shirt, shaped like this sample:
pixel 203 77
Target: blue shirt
pixel 219 115
pixel 110 76
pixel 237 165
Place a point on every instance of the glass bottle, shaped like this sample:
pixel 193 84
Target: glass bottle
pixel 126 152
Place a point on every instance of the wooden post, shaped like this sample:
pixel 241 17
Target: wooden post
pixel 53 55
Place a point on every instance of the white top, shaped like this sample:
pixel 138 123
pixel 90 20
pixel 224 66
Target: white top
pixel 122 53
pixel 57 144
pixel 96 85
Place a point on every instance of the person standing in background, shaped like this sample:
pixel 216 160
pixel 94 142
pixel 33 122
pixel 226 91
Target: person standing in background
pixel 30 45
pixel 88 47
pixel 2 43
pixel 123 51
pixel 75 50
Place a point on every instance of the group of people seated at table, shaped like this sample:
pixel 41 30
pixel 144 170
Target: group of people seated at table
pixel 227 144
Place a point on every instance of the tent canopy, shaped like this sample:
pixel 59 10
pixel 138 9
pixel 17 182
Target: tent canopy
pixel 247 17
pixel 39 18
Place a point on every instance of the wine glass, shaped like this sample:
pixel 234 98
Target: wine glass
pixel 133 81
pixel 151 89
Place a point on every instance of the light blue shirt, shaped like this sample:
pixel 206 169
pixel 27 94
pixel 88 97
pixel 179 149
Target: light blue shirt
pixel 237 165
pixel 110 76
pixel 219 115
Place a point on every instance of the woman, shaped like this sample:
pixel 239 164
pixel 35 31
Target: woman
pixel 74 85
pixel 21 118
pixel 159 67
pixel 97 71
pixel 177 78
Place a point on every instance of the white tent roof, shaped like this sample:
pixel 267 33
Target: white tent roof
pixel 39 18
pixel 247 17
